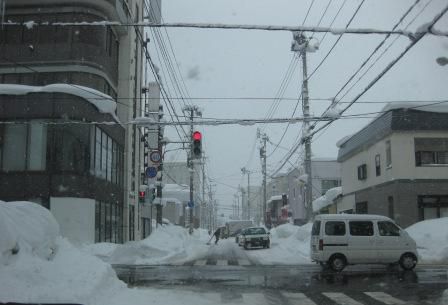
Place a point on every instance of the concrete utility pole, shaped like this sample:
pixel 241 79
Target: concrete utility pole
pixel 203 203
pixel 301 45
pixel 191 111
pixel 264 139
pixel 245 171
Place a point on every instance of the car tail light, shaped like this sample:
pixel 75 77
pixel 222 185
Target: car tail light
pixel 321 244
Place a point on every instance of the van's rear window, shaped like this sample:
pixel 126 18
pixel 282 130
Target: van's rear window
pixel 316 228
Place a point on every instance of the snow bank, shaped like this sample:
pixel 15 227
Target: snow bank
pixel 26 227
pixel 167 245
pixel 103 102
pixel 431 237
pixel 44 267
pixel 290 245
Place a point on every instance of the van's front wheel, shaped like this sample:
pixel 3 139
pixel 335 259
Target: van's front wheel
pixel 337 262
pixel 408 261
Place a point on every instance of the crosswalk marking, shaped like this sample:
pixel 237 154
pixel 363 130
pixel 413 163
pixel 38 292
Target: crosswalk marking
pixel 385 298
pixel 254 298
pixel 221 262
pixel 298 298
pixel 243 262
pixel 341 298
pixel 200 262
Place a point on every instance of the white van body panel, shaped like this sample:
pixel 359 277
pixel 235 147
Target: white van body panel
pixel 375 247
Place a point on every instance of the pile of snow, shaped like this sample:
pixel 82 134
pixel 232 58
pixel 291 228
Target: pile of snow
pixel 168 244
pixel 35 235
pixel 290 245
pixel 69 275
pixel 327 199
pixel 431 237
pixel 37 265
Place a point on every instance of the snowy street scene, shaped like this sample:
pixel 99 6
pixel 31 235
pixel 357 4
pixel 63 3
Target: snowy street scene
pixel 256 152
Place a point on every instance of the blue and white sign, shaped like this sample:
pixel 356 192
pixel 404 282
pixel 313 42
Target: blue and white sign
pixel 151 171
pixel 190 204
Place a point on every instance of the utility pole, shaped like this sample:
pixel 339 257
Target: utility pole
pixel 191 112
pixel 300 44
pixel 243 214
pixel 264 139
pixel 245 171
pixel 203 204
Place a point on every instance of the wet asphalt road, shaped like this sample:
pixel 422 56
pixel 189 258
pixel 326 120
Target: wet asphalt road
pixel 299 284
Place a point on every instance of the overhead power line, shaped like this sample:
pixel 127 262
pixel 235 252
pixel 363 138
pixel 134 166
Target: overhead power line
pixel 334 31
pixel 388 67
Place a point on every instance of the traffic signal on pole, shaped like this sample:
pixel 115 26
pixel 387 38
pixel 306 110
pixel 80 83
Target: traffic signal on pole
pixel 141 196
pixel 197 144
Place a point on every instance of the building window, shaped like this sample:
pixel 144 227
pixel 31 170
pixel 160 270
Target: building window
pixel 131 222
pixel 428 158
pixel 390 207
pixel 361 228
pixel 24 146
pixel 107 155
pixel 361 208
pixel 432 206
pixel 362 172
pixel 108 222
pixel 329 184
pixel 388 154
pixel 378 165
pixel 97 221
pixel 71 148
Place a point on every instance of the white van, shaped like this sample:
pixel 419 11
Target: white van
pixel 345 239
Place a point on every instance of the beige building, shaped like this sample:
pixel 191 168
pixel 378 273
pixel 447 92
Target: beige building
pixel 397 166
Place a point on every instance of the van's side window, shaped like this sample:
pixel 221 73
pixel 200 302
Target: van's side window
pixel 316 228
pixel 387 228
pixel 335 228
pixel 361 228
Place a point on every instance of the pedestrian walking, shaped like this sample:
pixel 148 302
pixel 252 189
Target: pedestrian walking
pixel 217 234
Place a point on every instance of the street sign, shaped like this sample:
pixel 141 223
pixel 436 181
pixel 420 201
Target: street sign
pixel 190 204
pixel 155 156
pixel 151 171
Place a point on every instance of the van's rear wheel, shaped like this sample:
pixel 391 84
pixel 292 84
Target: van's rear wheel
pixel 408 261
pixel 337 262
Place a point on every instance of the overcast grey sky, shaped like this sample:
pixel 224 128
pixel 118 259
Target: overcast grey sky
pixel 242 63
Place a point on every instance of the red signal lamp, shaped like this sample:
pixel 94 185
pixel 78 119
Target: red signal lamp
pixel 197 136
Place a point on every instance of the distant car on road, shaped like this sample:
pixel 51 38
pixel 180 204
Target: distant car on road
pixel 238 236
pixel 255 237
pixel 338 240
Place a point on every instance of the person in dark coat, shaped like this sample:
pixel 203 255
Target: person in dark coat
pixel 217 234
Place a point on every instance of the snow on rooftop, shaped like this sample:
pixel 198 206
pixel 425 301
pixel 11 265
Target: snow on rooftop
pixel 441 107
pixel 275 198
pixel 343 140
pixel 164 201
pixel 327 199
pixel 103 102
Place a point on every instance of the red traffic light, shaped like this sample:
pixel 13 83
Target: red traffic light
pixel 197 136
pixel 141 194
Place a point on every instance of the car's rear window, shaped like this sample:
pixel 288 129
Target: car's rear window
pixel 316 228
pixel 254 231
